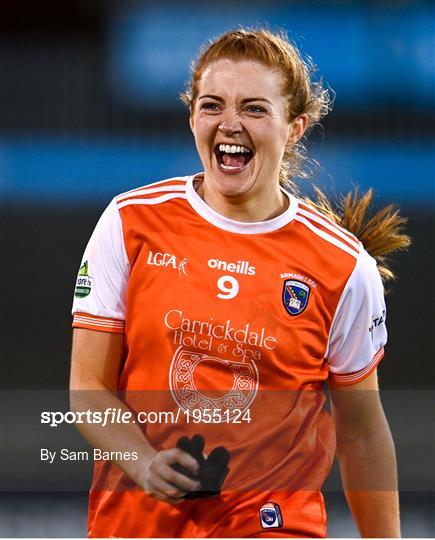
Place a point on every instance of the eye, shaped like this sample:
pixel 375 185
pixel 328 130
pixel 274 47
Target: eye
pixel 256 109
pixel 210 106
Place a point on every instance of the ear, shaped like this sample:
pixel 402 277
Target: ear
pixel 297 129
pixel 192 127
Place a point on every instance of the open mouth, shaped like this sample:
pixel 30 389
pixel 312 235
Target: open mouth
pixel 232 158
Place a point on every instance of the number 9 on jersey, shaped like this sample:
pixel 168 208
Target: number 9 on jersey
pixel 229 287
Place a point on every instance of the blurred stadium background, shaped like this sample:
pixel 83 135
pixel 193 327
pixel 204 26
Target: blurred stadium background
pixel 89 108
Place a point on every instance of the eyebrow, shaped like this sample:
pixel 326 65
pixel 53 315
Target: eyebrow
pixel 246 100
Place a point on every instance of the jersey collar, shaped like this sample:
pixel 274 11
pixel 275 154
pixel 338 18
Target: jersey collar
pixel 231 225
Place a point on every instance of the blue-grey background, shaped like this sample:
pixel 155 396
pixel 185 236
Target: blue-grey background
pixel 89 108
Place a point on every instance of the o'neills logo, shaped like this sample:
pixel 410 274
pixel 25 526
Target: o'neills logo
pixel 167 259
pixel 239 267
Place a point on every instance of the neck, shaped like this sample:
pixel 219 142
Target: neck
pixel 245 208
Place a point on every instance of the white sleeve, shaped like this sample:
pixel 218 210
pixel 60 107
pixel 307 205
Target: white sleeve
pixel 99 296
pixel 358 333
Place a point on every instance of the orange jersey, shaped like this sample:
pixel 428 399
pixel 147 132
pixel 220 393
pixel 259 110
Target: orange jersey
pixel 236 325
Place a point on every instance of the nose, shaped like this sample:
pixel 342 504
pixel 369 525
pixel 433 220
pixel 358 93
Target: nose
pixel 229 127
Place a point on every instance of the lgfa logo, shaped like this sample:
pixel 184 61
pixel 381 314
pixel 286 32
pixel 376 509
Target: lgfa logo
pixel 240 267
pixel 167 259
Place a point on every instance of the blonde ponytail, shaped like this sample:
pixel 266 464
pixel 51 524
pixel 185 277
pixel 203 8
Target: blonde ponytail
pixel 381 232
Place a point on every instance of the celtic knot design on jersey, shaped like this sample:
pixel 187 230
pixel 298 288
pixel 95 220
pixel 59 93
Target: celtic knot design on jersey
pixel 243 380
pixel 185 373
pixel 185 393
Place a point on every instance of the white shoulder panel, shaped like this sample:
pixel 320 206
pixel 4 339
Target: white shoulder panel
pixel 103 274
pixel 358 332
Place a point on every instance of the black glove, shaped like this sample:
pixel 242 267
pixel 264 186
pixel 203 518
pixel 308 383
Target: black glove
pixel 212 471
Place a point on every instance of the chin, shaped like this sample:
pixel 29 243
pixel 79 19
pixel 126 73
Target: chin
pixel 233 185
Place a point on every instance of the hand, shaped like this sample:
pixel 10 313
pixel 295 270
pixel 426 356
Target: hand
pixel 166 484
pixel 212 470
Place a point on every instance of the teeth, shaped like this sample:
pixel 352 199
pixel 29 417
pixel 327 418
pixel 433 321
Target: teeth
pixel 229 168
pixel 233 149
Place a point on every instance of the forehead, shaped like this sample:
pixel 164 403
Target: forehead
pixel 241 77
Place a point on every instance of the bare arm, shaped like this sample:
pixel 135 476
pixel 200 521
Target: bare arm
pixel 95 368
pixel 367 459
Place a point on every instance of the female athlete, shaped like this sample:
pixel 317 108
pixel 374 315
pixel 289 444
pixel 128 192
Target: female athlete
pixel 213 310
